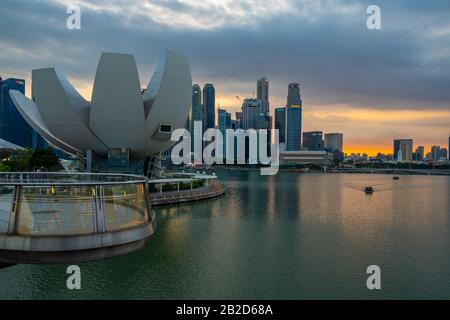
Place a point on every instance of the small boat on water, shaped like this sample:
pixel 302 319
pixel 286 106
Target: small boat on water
pixel 396 178
pixel 368 190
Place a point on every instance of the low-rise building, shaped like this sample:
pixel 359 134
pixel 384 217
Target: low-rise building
pixel 306 157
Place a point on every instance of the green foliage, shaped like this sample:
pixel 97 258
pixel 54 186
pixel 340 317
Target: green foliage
pixel 44 159
pixel 20 161
pixel 4 167
pixel 29 160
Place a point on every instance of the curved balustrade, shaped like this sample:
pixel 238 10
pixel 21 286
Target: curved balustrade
pixel 60 217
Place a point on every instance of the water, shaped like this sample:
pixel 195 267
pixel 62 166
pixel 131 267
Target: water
pixel 290 236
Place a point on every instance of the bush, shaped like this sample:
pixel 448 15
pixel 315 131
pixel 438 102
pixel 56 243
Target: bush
pixel 4 167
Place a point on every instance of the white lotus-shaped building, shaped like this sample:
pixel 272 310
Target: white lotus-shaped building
pixel 120 115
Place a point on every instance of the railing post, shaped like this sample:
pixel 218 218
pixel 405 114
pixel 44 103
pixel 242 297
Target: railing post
pixel 100 209
pixel 14 214
pixel 147 202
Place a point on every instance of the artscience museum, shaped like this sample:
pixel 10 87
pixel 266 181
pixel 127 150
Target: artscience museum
pixel 123 128
pixel 71 217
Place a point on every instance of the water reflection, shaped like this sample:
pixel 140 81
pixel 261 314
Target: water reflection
pixel 287 236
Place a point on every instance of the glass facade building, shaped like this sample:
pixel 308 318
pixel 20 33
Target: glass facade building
pixel 224 123
pixel 293 128
pixel 404 146
pixel 294 97
pixel 209 105
pixel 280 123
pixel 251 110
pixel 334 142
pixel 262 89
pixel 238 120
pixel 313 141
pixel 196 110
pixel 13 127
pixel 224 119
pixel 294 118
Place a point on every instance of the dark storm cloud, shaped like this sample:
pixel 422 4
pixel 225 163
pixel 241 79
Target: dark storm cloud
pixel 335 57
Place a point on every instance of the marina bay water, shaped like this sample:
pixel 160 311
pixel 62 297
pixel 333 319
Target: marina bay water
pixel 288 236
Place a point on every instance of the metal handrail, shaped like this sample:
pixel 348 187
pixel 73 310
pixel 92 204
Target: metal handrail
pixel 67 179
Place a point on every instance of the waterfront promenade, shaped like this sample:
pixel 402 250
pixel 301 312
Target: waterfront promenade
pixel 215 190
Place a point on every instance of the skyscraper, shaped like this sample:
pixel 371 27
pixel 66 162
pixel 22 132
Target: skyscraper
pixel 224 123
pixel 436 153
pixel 406 152
pixel 196 110
pixel 196 113
pixel 251 109
pixel 294 118
pixel 313 140
pixel 262 89
pixel 209 105
pixel 13 127
pixel 420 153
pixel 280 123
pixel 224 119
pixel 238 120
pixel 334 142
pixel 294 97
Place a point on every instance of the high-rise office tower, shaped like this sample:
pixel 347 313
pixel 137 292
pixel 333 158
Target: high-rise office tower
pixel 264 121
pixel 251 109
pixel 404 148
pixel 436 153
pixel 209 105
pixel 13 127
pixel 313 140
pixel 196 110
pixel 294 118
pixel 280 123
pixel 406 152
pixel 224 123
pixel 448 147
pixel 294 97
pixel 238 120
pixel 334 142
pixel 196 113
pixel 224 119
pixel 262 89
pixel 420 153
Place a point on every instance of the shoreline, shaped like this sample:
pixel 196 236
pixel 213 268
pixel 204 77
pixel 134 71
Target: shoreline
pixel 422 172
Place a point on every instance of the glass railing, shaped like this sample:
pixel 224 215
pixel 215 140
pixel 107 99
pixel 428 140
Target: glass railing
pixel 55 204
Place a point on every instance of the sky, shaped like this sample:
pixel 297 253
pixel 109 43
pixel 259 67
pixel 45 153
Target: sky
pixel 372 85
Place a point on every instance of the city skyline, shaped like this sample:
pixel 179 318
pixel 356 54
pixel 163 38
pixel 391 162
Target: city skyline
pixel 372 85
pixel 370 151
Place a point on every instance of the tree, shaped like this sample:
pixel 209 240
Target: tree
pixel 20 161
pixel 43 159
